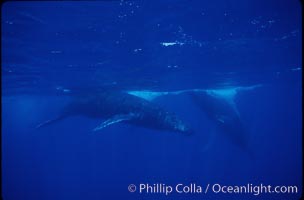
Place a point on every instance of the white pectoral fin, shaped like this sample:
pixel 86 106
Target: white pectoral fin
pixel 152 95
pixel 147 95
pixel 51 121
pixel 228 93
pixel 115 119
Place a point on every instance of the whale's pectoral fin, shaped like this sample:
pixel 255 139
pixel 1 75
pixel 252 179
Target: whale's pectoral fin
pixel 116 119
pixel 51 121
pixel 227 93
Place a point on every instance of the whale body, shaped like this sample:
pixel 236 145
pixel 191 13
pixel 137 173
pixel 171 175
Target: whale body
pixel 115 107
pixel 224 114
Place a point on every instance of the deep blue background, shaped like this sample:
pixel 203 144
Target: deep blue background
pixel 49 46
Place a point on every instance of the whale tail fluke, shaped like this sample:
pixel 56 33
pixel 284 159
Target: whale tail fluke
pixel 48 122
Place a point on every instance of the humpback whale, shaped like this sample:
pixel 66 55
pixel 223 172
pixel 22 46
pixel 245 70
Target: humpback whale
pixel 224 114
pixel 218 104
pixel 115 107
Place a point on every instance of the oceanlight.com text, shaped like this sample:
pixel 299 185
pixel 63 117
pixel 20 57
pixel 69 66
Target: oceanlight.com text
pixel 216 188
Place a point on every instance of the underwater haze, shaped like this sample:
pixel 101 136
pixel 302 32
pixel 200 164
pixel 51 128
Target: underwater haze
pixel 162 99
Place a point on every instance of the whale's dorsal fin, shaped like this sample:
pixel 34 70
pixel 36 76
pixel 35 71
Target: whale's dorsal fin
pixel 116 119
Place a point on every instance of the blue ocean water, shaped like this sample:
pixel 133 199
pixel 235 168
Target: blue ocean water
pixel 54 50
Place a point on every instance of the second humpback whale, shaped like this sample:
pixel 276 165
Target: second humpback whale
pixel 220 107
pixel 225 115
pixel 119 106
